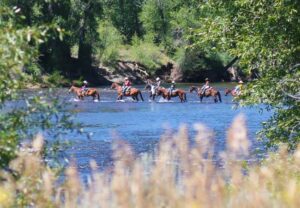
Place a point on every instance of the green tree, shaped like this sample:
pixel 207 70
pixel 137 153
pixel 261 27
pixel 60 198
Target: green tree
pixel 22 116
pixel 124 14
pixel 78 18
pixel 156 17
pixel 110 42
pixel 265 36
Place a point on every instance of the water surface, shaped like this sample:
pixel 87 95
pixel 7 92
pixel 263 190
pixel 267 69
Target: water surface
pixel 142 123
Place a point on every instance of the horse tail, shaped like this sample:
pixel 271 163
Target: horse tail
pixel 219 95
pixel 141 96
pixel 184 95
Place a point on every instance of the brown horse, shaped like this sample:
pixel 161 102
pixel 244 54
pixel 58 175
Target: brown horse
pixel 230 91
pixel 133 92
pixel 166 95
pixel 209 92
pixel 90 92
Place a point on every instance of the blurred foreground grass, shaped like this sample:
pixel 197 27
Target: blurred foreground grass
pixel 178 175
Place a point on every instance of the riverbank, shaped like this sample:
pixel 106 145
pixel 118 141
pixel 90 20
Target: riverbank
pixel 105 75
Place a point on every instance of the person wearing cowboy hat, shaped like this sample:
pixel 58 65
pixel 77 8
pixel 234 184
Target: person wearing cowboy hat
pixel 238 88
pixel 155 85
pixel 205 86
pixel 172 88
pixel 84 87
pixel 126 86
pixel 158 82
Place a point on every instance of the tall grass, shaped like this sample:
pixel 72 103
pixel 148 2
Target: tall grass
pixel 177 175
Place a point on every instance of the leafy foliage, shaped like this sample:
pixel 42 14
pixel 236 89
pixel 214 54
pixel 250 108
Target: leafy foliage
pixel 110 43
pixel 22 117
pixel 146 53
pixel 264 35
pixel 124 15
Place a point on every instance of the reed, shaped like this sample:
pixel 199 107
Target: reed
pixel 176 175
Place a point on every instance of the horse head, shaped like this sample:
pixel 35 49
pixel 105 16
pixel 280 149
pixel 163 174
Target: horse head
pixel 227 91
pixel 148 87
pixel 71 89
pixel 193 88
pixel 113 85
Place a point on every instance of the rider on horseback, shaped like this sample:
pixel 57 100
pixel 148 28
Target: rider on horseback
pixel 238 88
pixel 172 88
pixel 156 85
pixel 84 87
pixel 205 86
pixel 158 82
pixel 126 86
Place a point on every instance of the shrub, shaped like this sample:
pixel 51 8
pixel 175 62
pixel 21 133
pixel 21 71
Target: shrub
pixel 18 53
pixel 146 53
pixel 56 79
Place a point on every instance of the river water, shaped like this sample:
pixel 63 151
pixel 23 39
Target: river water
pixel 141 124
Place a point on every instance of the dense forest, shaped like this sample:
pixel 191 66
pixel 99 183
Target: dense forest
pixel 152 33
pixel 71 39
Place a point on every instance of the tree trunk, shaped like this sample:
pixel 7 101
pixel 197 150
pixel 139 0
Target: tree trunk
pixel 84 57
pixel 231 63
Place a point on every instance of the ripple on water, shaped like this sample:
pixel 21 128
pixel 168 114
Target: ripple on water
pixel 141 124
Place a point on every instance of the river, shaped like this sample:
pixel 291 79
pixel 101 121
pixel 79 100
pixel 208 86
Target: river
pixel 141 124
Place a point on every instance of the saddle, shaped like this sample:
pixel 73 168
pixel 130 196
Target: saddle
pixel 85 92
pixel 126 90
pixel 206 92
pixel 172 92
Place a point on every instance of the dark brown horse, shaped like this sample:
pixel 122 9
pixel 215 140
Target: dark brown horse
pixel 166 95
pixel 81 94
pixel 209 92
pixel 232 92
pixel 133 92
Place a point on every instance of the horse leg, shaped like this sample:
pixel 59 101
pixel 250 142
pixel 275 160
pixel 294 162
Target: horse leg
pixel 135 98
pixel 219 95
pixel 152 97
pixel 80 97
pixel 120 97
pixel 181 98
pixel 141 96
pixel 169 97
pixel 183 95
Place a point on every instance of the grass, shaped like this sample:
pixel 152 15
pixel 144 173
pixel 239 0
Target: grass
pixel 177 175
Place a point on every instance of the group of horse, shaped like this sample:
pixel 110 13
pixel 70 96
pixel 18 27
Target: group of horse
pixel 135 93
